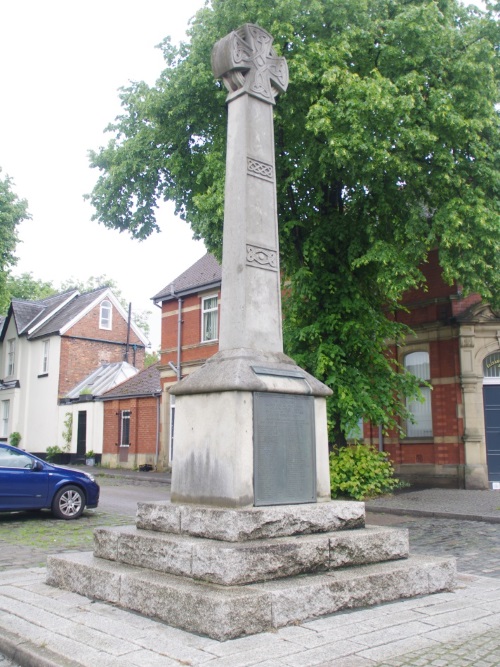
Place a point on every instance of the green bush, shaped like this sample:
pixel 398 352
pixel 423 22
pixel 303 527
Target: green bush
pixel 15 439
pixel 52 452
pixel 360 472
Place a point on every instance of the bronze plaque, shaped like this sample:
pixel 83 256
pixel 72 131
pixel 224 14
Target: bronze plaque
pixel 284 449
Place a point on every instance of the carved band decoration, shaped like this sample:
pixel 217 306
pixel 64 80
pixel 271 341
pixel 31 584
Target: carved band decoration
pixel 247 62
pixel 262 258
pixel 260 169
pixel 467 341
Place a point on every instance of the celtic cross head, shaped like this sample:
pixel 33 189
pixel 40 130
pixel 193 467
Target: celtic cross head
pixel 247 63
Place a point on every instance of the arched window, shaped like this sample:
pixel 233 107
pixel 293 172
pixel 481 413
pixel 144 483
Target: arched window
pixel 105 317
pixel 491 366
pixel 418 364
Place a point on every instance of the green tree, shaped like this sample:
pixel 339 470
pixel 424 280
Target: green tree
pixel 387 146
pixel 12 212
pixel 28 288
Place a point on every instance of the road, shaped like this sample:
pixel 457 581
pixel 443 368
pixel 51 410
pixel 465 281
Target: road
pixel 120 496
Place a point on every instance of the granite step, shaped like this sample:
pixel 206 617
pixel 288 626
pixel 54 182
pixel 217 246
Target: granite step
pixel 250 523
pixel 232 563
pixel 227 612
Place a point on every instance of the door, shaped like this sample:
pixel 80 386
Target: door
pixel 492 427
pixel 81 434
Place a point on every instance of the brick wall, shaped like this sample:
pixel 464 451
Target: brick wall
pixel 143 426
pixel 193 352
pixel 85 347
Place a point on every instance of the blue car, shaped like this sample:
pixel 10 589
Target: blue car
pixel 28 483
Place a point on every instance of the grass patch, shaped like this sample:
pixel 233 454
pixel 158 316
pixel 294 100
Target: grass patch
pixel 39 530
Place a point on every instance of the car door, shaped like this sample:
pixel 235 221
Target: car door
pixel 22 485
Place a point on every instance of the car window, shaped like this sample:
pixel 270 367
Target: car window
pixel 11 459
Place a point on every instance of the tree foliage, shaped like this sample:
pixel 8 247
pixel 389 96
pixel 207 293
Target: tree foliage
pixel 12 211
pixel 28 288
pixel 387 146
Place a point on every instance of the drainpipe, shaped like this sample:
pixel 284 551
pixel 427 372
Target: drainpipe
pixel 179 337
pixel 128 330
pixel 157 453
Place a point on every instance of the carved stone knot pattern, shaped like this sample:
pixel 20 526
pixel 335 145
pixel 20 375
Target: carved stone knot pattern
pixel 260 169
pixel 247 62
pixel 262 258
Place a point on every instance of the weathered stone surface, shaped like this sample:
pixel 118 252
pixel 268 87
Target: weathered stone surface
pixel 299 598
pixel 223 612
pixel 220 613
pixel 252 523
pixel 230 563
pixel 79 572
pixel 371 545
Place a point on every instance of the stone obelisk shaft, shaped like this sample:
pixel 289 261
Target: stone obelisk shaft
pixel 251 295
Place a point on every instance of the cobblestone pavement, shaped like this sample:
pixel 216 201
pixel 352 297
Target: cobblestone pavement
pixel 475 544
pixel 459 629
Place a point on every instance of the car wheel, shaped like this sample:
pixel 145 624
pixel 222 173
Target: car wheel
pixel 68 503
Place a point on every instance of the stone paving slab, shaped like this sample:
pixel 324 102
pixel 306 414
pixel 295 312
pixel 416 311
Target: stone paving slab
pixel 40 627
pixel 443 503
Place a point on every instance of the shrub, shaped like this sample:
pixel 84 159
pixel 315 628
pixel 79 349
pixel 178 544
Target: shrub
pixel 360 472
pixel 53 452
pixel 15 439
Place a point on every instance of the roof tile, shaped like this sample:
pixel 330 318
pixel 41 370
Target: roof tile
pixel 206 271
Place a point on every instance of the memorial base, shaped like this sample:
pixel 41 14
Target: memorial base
pixel 225 573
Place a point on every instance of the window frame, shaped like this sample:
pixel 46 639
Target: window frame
pixel 45 356
pixel 10 367
pixel 5 418
pixel 422 427
pixel 209 311
pixel 106 322
pixel 125 418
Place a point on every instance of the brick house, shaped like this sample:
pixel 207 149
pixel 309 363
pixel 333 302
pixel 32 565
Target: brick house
pixel 132 421
pixel 189 333
pixel 50 346
pixel 455 439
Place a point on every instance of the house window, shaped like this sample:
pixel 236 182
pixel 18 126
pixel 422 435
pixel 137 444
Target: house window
pixel 106 315
pixel 11 357
pixel 491 366
pixel 209 313
pixel 5 418
pixel 418 364
pixel 125 428
pixel 45 356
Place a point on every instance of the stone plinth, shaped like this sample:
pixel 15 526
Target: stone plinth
pixel 215 427
pixel 226 612
pixel 250 523
pixel 226 572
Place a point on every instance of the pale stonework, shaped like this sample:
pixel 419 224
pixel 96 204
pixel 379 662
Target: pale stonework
pixel 217 560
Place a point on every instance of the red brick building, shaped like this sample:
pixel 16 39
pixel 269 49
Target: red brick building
pixel 189 333
pixel 454 439
pixel 132 421
pixel 456 349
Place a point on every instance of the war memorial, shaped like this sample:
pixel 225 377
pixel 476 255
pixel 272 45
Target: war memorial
pixel 250 540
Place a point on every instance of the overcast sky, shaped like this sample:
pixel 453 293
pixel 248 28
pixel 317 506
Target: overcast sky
pixel 61 63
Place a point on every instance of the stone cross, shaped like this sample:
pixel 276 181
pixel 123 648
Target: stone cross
pixel 251 301
pixel 247 63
